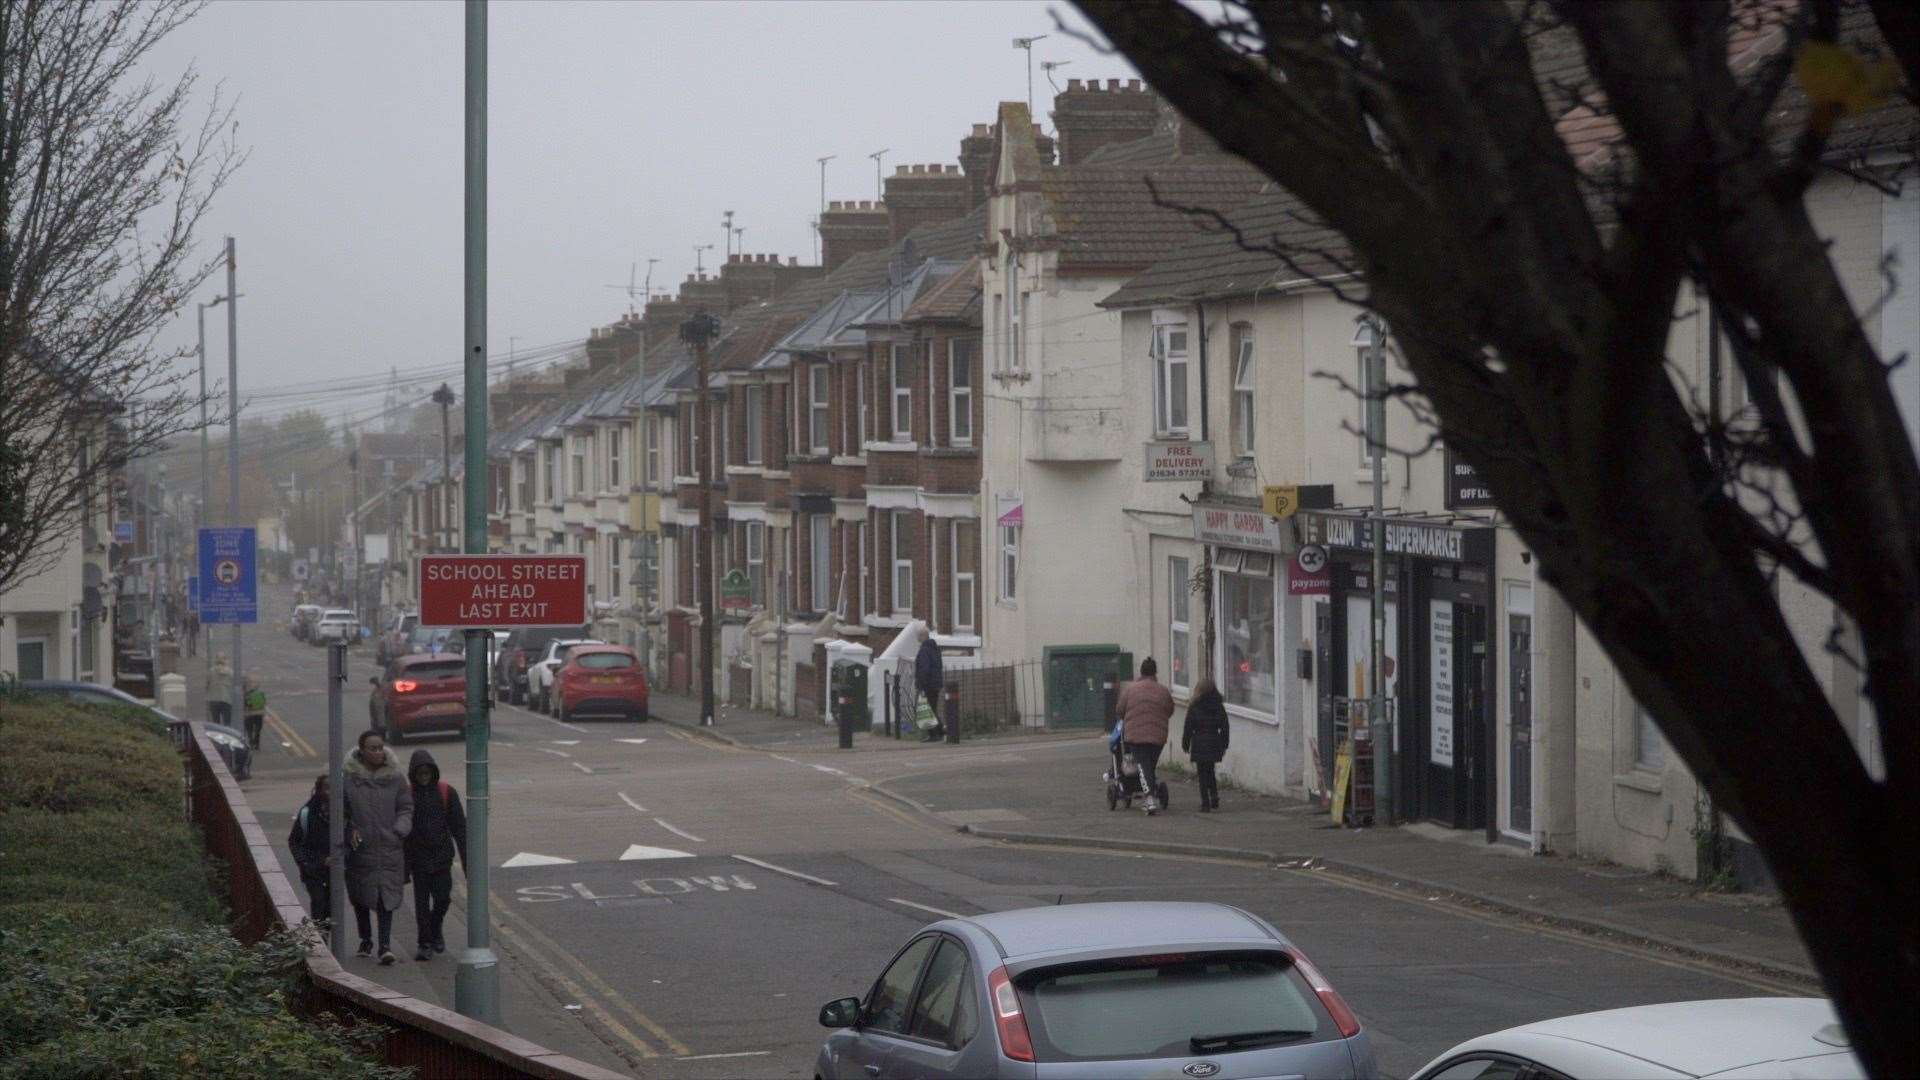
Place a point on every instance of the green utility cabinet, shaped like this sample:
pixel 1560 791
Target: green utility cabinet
pixel 1081 683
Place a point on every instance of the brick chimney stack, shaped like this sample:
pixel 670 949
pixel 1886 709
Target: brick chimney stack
pixel 663 318
pixel 750 279
pixel 924 195
pixel 849 228
pixel 1088 116
pixel 704 291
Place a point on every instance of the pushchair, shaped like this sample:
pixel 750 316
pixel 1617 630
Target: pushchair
pixel 1123 776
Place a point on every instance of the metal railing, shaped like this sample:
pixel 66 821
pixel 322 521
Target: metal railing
pixel 433 1041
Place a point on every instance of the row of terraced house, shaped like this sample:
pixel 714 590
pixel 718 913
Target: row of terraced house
pixel 1033 400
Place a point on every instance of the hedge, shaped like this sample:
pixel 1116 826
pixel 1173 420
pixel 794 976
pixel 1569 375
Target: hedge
pixel 114 957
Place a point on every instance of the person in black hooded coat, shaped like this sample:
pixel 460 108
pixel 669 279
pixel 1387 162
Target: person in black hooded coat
pixel 1204 738
pixel 309 842
pixel 439 831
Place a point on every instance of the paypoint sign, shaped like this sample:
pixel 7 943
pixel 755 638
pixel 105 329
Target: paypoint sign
pixel 503 590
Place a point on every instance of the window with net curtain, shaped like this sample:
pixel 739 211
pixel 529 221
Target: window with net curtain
pixel 1247 630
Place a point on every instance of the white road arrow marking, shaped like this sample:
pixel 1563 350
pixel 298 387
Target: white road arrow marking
pixel 527 858
pixel 641 851
pixel 633 742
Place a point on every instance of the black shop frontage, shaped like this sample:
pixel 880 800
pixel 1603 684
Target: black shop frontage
pixel 1439 663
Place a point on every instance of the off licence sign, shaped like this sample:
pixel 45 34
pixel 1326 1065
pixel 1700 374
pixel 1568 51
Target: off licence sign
pixel 503 590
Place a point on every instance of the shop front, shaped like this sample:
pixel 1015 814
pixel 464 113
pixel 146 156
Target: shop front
pixel 1437 668
pixel 1245 549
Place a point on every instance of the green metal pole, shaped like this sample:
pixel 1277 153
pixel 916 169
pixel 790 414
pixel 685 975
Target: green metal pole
pixel 476 984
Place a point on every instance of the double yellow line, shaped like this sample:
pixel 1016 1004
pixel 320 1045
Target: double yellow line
pixel 299 746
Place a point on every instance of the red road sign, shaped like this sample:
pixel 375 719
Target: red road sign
pixel 503 590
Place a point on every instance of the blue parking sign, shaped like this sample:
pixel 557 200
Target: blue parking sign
pixel 228 591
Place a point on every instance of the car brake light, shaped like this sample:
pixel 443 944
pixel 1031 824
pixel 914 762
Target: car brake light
pixel 405 686
pixel 1015 1042
pixel 1343 1017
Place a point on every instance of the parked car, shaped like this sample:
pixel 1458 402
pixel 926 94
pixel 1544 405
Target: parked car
pixel 601 680
pixel 304 617
pixel 392 642
pixel 1115 990
pixel 229 741
pixel 540 673
pixel 517 655
pixel 1744 1038
pixel 338 624
pixel 418 694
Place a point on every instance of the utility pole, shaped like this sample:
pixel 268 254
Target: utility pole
pixel 1377 706
pixel 233 454
pixel 206 478
pixel 698 332
pixel 476 983
pixel 359 546
pixel 443 397
pixel 879 183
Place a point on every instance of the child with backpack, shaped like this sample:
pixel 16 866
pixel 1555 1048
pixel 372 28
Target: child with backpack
pixel 439 831
pixel 308 841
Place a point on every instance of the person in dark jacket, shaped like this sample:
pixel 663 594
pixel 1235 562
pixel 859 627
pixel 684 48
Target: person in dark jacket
pixel 929 677
pixel 439 830
pixel 1204 738
pixel 308 842
pixel 379 805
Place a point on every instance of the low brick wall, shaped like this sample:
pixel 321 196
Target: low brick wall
pixel 434 1042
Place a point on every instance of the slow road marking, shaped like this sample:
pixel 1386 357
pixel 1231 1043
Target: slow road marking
pixel 937 911
pixel 681 833
pixel 783 870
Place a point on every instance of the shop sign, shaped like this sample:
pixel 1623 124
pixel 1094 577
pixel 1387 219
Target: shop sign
pixel 1422 539
pixel 1465 488
pixel 503 590
pixel 736 592
pixel 1280 502
pixel 1235 526
pixel 1309 572
pixel 1440 686
pixel 1180 459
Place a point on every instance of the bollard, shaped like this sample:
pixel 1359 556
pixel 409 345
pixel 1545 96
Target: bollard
pixel 951 709
pixel 844 714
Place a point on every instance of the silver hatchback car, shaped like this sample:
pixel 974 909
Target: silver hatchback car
pixel 1097 992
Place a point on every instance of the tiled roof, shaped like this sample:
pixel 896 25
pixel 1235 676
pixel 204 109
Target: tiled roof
pixel 1223 264
pixel 891 306
pixel 955 299
pixel 1107 217
pixel 1157 147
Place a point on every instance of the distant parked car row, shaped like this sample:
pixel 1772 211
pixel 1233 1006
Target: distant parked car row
pixel 316 625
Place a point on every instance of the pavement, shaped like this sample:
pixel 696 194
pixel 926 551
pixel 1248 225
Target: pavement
pixel 1024 802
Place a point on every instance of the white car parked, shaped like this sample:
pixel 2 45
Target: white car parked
pixel 337 625
pixel 540 672
pixel 1745 1038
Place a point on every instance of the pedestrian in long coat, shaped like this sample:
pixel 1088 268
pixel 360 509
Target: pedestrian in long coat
pixel 1145 708
pixel 1204 738
pixel 929 676
pixel 379 816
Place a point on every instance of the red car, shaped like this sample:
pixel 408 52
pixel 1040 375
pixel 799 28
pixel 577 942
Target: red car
pixel 601 680
pixel 418 694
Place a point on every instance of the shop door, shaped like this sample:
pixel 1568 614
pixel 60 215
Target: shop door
pixel 1326 662
pixel 1471 656
pixel 1520 724
pixel 1449 743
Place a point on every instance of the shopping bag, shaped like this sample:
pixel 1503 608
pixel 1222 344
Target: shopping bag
pixel 923 717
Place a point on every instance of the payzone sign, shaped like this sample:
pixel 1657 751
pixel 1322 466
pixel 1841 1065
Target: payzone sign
pixel 487 591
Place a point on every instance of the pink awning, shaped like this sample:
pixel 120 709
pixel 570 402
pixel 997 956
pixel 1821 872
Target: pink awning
pixel 1015 517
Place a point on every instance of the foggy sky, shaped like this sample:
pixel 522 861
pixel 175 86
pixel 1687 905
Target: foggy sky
pixel 619 132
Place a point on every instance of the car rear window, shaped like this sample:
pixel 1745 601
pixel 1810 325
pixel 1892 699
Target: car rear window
pixel 437 669
pixel 1154 1007
pixel 604 661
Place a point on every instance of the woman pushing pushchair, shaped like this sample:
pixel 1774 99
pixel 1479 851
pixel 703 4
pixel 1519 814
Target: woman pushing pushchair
pixel 1144 708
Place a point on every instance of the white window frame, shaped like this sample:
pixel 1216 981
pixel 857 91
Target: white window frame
pixel 900 523
pixel 866 375
pixel 819 391
pixel 900 393
pixel 1000 352
pixel 721 435
pixel 820 559
pixel 1179 622
pixel 1649 746
pixel 1245 434
pixel 615 447
pixel 966 583
pixel 756 543
pixel 754 407
pixel 613 568
pixel 865 527
pixel 1020 341
pixel 577 474
pixel 1169 372
pixel 1009 562
pixel 959 397
pixel 652 424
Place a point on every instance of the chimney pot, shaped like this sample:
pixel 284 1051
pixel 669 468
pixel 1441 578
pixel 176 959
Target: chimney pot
pixel 1075 84
pixel 981 131
pixel 899 170
pixel 732 258
pixel 1113 84
pixel 1133 84
pixel 793 260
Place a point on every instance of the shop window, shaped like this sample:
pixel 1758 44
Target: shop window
pixel 1649 748
pixel 753 408
pixel 1179 627
pixel 1169 349
pixel 1247 628
pixel 1243 373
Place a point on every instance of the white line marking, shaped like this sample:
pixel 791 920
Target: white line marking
pixel 549 750
pixel 566 725
pixel 923 907
pixel 681 833
pixel 581 767
pixel 530 859
pixel 736 1054
pixel 783 870
pixel 564 742
pixel 829 769
pixel 783 757
pixel 629 801
pixel 641 851
pixel 637 742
